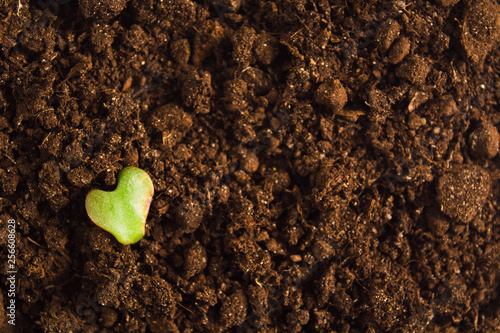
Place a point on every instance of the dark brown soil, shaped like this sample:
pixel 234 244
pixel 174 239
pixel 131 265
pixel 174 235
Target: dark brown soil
pixel 319 166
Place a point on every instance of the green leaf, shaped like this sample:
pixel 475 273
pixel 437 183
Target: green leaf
pixel 123 211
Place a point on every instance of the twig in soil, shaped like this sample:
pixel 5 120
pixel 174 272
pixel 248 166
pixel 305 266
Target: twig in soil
pixel 19 6
pixel 182 306
pixel 43 247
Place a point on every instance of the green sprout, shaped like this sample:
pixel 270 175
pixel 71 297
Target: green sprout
pixel 123 211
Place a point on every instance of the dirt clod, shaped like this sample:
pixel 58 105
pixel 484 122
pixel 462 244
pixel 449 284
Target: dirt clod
pixel 437 222
pixel 109 317
pixel 484 141
pixel 389 32
pixel 195 260
pixel 189 215
pixel 249 161
pixel 415 69
pixel 462 192
pixel 481 29
pixel 447 3
pixel 332 95
pixel 399 50
pixel 104 10
pixel 234 309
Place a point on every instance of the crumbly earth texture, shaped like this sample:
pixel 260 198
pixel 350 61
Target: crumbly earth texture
pixel 319 166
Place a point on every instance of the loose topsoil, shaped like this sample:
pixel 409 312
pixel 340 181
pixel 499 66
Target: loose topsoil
pixel 319 166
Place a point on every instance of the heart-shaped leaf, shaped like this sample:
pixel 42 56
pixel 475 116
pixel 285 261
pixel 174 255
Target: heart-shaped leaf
pixel 123 211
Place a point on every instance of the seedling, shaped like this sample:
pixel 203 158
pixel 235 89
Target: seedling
pixel 123 211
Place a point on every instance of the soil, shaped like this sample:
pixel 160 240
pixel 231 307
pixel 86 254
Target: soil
pixel 319 166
